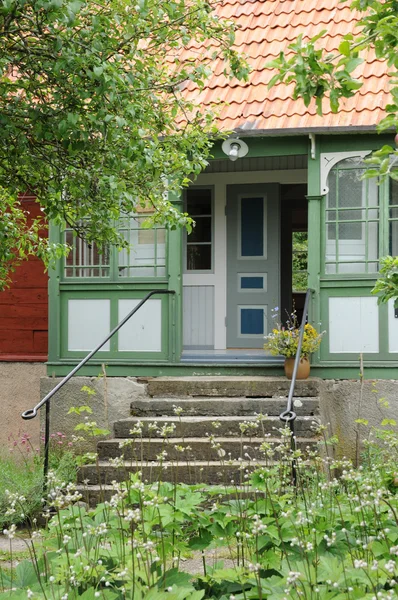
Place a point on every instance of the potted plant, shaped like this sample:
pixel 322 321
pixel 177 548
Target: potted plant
pixel 283 341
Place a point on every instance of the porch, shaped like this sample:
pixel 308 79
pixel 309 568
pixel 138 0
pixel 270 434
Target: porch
pixel 226 278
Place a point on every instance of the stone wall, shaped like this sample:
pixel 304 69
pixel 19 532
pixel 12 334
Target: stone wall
pixel 110 401
pixel 19 390
pixel 344 401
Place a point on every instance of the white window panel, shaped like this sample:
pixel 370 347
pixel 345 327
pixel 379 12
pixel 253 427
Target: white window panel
pixel 143 332
pixel 88 323
pixel 392 328
pixel 353 325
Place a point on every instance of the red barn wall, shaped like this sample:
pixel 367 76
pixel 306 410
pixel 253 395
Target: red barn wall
pixel 24 308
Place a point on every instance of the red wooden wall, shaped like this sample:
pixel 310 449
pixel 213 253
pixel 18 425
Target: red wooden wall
pixel 24 308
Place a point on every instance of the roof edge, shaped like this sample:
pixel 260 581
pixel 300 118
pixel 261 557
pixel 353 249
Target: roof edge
pixel 306 130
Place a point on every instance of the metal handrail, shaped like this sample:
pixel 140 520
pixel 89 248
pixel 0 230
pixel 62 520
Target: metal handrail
pixel 289 416
pixel 32 412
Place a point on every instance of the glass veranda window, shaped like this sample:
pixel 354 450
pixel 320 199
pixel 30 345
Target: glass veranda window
pixel 352 220
pixel 85 260
pixel 146 256
pixel 393 218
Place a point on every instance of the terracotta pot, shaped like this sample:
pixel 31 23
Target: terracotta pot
pixel 303 371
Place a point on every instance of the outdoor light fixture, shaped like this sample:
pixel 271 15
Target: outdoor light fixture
pixel 235 148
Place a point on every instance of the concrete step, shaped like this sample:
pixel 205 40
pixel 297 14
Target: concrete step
pixel 229 386
pixel 222 406
pixel 207 472
pixel 182 449
pixel 94 494
pixel 200 426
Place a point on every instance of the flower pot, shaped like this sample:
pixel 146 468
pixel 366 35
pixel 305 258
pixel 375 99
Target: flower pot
pixel 303 370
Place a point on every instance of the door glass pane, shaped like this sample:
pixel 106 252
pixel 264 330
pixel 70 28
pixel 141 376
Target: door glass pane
pixel 198 202
pixel 199 241
pixel 202 230
pixel 198 257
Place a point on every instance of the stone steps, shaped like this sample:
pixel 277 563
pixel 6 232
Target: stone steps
pixel 222 406
pixel 209 472
pixel 212 429
pixel 189 449
pixel 203 426
pixel 229 387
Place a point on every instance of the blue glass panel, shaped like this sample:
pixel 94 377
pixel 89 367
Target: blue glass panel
pixel 251 283
pixel 251 321
pixel 252 227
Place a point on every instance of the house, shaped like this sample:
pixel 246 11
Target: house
pixel 284 173
pixel 283 170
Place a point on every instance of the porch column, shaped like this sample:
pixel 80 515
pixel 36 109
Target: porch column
pixel 174 266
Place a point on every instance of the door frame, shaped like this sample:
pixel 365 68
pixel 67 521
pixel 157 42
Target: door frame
pixel 218 278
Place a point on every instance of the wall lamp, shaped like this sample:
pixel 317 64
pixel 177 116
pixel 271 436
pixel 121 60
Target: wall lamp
pixel 235 148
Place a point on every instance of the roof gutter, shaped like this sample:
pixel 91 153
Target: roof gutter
pixel 308 130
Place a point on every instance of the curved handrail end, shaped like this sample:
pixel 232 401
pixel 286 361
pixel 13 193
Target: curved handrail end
pixel 31 413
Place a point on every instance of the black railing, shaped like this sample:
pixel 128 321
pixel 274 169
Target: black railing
pixel 289 416
pixel 32 412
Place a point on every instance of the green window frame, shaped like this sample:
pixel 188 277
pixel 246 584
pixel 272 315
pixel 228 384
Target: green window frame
pixel 393 218
pixel 146 260
pixel 352 208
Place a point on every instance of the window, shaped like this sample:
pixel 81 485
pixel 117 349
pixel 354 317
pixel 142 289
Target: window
pixel 352 220
pixel 393 219
pixel 85 260
pixel 146 256
pixel 199 251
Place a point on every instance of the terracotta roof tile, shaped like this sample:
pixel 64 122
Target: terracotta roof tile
pixel 266 28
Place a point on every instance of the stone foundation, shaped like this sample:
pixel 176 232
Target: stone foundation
pixel 19 390
pixel 343 402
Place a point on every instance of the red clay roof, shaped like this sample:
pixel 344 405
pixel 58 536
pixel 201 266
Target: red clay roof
pixel 267 27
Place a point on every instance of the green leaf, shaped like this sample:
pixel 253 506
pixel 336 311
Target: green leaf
pixel 344 48
pixel 353 64
pixel 25 575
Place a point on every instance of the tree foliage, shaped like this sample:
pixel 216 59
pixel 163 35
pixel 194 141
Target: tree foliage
pixel 90 93
pixel 387 284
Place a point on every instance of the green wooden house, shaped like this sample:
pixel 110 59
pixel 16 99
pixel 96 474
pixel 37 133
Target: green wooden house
pixel 284 173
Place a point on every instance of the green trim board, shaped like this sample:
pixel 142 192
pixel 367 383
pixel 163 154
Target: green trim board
pixel 339 372
pixel 266 146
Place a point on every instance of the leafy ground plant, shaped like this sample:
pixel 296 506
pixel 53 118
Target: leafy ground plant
pixel 331 537
pixel 21 474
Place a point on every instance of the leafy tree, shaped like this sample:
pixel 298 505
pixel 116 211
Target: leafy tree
pixel 90 94
pixel 387 284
